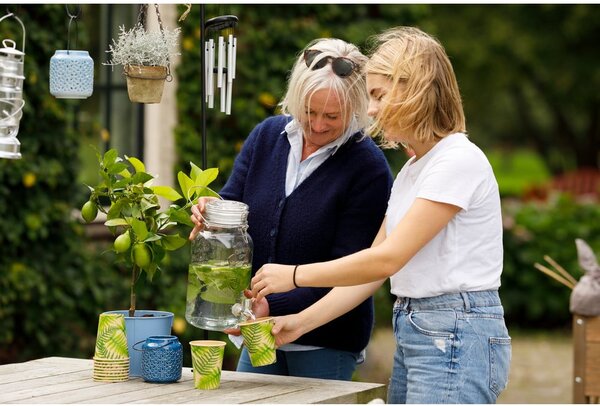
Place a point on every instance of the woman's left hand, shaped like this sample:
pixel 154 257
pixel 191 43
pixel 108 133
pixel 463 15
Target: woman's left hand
pixel 272 278
pixel 260 308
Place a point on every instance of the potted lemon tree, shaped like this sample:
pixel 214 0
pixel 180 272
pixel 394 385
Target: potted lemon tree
pixel 144 231
pixel 145 57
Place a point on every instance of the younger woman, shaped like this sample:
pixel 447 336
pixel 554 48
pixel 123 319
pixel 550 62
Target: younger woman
pixel 440 242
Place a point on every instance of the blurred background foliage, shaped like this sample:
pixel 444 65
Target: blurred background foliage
pixel 529 78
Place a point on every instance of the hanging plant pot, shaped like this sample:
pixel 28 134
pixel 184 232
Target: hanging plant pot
pixel 145 83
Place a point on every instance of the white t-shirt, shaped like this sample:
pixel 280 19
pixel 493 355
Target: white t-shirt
pixel 467 255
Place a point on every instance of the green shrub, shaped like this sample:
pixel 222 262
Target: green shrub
pixel 532 230
pixel 50 288
pixel 517 170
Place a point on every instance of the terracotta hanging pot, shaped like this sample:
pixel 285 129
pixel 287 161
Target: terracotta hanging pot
pixel 145 83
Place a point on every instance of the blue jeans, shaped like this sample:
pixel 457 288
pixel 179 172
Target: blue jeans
pixel 451 348
pixel 324 363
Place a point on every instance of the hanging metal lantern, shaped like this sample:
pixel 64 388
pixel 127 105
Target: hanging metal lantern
pixel 11 94
pixel 71 72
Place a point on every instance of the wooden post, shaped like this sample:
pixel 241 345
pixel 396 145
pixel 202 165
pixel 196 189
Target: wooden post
pixel 586 356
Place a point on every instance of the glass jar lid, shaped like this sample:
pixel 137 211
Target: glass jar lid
pixel 226 213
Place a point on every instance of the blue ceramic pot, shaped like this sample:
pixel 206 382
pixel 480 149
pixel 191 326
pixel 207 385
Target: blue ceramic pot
pixel 162 359
pixel 71 75
pixel 145 323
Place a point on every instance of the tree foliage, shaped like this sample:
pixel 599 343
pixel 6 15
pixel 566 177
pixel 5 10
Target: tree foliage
pixel 527 72
pixel 49 287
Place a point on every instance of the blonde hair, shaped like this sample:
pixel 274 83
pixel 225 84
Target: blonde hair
pixel 351 90
pixel 424 99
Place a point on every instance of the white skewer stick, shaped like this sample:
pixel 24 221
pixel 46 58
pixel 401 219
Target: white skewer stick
pixel 229 59
pixel 211 75
pixel 234 51
pixel 223 91
pixel 221 60
pixel 206 71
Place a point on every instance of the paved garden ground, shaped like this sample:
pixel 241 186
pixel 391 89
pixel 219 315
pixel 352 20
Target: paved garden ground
pixel 541 369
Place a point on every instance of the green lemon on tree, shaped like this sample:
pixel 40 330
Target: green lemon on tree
pixel 89 211
pixel 122 242
pixel 141 255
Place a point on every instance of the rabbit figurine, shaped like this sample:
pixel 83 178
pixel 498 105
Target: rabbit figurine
pixel 585 298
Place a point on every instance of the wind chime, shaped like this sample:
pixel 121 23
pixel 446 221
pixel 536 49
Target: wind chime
pixel 220 44
pixel 11 94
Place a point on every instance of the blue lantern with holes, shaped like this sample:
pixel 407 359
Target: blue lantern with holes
pixel 71 72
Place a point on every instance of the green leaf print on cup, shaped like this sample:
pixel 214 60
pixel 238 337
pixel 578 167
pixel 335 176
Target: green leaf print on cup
pixel 207 362
pixel 259 341
pixel 111 340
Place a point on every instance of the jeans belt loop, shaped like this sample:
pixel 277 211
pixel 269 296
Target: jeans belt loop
pixel 465 298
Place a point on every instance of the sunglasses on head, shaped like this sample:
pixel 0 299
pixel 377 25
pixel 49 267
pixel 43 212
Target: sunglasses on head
pixel 343 67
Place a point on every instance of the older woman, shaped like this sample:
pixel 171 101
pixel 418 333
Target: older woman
pixel 440 242
pixel 317 190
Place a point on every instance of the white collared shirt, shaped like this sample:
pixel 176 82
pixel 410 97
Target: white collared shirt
pixel 297 170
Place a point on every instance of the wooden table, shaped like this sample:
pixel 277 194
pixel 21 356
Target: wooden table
pixel 69 380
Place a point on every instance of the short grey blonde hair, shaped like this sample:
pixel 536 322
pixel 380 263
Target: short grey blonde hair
pixel 351 90
pixel 424 99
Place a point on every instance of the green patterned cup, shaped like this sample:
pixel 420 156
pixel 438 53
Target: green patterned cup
pixel 259 341
pixel 207 361
pixel 111 340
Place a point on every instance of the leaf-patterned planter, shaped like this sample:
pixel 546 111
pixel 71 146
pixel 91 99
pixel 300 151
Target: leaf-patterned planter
pixel 144 324
pixel 259 341
pixel 207 361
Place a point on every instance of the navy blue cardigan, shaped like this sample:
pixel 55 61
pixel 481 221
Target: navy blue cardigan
pixel 336 211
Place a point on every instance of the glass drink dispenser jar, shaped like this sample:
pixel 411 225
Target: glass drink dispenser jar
pixel 220 268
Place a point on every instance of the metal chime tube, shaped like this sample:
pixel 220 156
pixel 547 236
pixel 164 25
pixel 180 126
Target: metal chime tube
pixel 223 90
pixel 234 58
pixel 206 71
pixel 210 84
pixel 229 73
pixel 220 60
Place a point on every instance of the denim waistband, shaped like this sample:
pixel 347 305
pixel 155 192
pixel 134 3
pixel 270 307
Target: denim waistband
pixel 463 300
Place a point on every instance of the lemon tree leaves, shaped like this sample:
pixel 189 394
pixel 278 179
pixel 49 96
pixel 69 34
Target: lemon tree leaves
pixel 131 204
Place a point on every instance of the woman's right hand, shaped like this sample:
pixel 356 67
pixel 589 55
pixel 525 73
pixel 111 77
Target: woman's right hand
pixel 287 329
pixel 196 216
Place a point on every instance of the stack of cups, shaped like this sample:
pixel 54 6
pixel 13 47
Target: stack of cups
pixel 111 359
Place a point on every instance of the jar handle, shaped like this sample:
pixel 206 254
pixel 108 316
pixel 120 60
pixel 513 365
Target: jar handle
pixel 12 43
pixel 143 341
pixel 20 22
pixel 139 342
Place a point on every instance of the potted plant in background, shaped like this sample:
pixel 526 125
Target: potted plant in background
pixel 143 229
pixel 145 57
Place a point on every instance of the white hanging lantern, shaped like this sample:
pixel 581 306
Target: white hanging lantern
pixel 71 72
pixel 11 94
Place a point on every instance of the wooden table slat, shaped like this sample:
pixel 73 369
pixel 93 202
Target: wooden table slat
pixel 67 380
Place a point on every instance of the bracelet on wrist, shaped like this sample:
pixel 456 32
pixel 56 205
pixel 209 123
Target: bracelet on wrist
pixel 294 276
